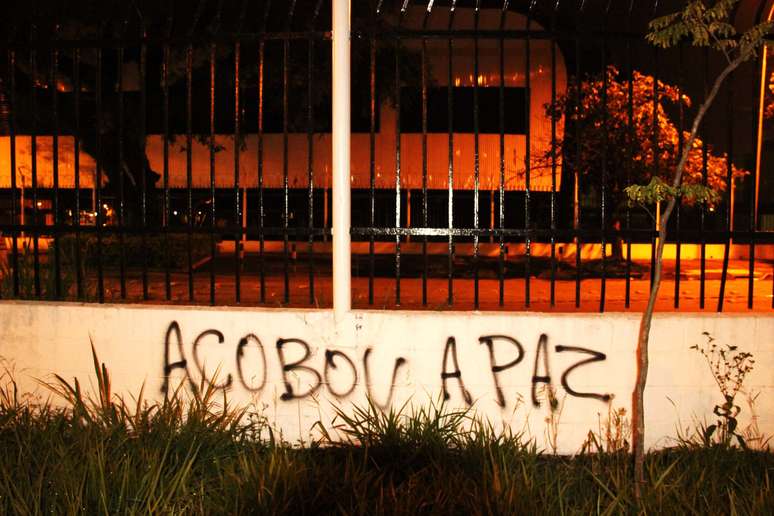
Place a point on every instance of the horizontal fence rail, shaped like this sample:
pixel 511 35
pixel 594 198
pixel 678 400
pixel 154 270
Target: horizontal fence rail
pixel 180 154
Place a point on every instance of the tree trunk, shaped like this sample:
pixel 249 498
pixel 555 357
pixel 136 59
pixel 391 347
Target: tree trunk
pixel 638 393
pixel 638 408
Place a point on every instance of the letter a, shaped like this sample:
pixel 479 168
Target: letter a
pixel 542 350
pixel 182 363
pixel 451 347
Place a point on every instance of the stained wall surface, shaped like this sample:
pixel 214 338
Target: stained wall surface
pixel 297 366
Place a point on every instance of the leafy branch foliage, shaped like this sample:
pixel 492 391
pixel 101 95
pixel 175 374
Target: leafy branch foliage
pixel 704 26
pixel 708 26
pixel 658 190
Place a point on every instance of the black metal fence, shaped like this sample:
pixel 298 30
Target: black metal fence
pixel 182 154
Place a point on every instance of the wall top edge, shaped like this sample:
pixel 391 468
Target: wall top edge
pixel 361 313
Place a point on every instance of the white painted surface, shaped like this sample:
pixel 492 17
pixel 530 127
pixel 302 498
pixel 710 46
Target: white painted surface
pixel 39 339
pixel 342 112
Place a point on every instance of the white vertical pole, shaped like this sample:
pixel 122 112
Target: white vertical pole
pixel 342 296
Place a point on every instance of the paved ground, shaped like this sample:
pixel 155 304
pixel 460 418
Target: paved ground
pixel 736 296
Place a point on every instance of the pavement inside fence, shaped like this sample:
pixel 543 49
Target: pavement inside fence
pixel 741 293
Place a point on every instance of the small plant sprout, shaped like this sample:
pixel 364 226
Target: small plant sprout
pixel 729 367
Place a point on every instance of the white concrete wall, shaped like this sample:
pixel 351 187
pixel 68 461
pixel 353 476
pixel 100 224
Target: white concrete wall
pixel 38 339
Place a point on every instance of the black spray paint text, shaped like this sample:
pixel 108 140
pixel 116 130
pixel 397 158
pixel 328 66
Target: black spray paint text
pixel 345 368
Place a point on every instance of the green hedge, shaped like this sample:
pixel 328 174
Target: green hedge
pixel 154 251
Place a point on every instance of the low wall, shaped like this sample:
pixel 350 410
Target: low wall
pixel 297 365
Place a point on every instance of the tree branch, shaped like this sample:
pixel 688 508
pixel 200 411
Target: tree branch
pixel 638 419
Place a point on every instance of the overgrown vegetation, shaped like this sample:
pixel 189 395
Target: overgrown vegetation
pixel 195 454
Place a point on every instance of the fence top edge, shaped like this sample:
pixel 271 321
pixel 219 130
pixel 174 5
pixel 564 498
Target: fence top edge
pixel 225 38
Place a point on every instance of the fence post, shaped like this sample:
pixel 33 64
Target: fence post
pixel 341 109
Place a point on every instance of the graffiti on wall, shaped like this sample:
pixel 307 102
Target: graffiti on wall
pixel 341 372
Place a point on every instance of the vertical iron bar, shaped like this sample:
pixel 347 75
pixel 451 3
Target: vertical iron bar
pixel 702 214
pixel 424 168
pixel 240 208
pixel 678 250
pixel 372 167
pixel 629 157
pixel 753 225
pixel 261 211
pixel 120 166
pixel 34 166
pixel 166 203
pixel 12 130
pixel 629 164
pixel 729 189
pixel 578 170
pixel 310 165
pixel 98 178
pixel 285 184
pixel 476 170
pixel 55 168
pixel 656 149
pixel 144 172
pixel 501 206
pixel 77 170
pixel 212 173
pixel 603 207
pixel 237 205
pixel 552 41
pixel 397 171
pixel 678 211
pixel 527 158
pixel 450 186
pixel 261 237
pixel 189 165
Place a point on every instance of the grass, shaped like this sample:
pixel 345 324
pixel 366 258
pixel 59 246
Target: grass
pixel 195 454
